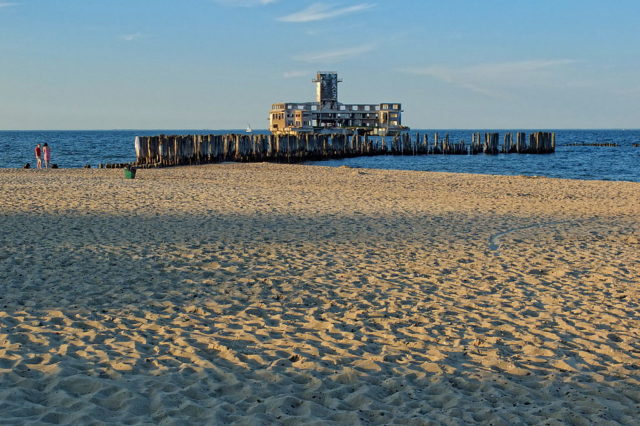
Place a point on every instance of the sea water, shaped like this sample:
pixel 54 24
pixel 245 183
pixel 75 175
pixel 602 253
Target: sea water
pixel 622 162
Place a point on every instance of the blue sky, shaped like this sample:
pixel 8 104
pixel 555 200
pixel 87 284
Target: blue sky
pixel 214 64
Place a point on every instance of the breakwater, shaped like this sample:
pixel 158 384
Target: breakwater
pixel 174 150
pixel 605 144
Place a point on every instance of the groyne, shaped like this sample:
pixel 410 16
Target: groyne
pixel 606 144
pixel 174 150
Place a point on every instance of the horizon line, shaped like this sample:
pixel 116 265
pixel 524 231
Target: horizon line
pixel 266 130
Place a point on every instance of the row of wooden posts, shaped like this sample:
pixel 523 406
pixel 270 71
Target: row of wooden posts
pixel 608 144
pixel 163 150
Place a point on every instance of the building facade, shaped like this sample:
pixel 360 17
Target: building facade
pixel 327 115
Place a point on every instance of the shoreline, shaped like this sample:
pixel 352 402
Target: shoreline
pixel 315 164
pixel 274 293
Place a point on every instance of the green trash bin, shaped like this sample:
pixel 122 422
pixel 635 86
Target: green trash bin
pixel 129 173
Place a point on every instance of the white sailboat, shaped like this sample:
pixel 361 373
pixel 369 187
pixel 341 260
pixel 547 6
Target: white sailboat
pixel 249 129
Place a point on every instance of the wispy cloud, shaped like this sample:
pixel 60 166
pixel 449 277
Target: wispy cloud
pixel 332 56
pixel 245 3
pixel 130 37
pixel 295 74
pixel 321 11
pixel 491 79
pixel 7 4
pixel 323 28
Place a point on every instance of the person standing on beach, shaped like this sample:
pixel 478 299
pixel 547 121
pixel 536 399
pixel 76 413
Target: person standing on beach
pixel 38 153
pixel 46 151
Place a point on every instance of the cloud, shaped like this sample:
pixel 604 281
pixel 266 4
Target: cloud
pixel 491 79
pixel 321 11
pixel 7 4
pixel 324 28
pixel 245 3
pixel 295 74
pixel 130 37
pixel 337 55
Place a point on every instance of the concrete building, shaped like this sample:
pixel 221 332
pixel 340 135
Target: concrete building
pixel 327 115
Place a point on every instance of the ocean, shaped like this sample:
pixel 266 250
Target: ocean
pixel 74 149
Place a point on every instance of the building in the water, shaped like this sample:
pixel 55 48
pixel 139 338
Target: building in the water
pixel 326 114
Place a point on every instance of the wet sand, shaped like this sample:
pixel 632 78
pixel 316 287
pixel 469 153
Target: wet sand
pixel 263 293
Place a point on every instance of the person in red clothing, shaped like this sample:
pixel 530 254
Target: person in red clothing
pixel 38 152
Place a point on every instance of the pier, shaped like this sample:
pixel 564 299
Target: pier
pixel 175 150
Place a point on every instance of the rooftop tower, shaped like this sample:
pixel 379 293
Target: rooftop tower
pixel 327 89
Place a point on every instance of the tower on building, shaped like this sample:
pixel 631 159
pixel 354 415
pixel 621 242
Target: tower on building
pixel 327 89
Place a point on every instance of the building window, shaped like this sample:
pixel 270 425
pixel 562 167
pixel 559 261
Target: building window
pixel 342 107
pixel 367 107
pixel 396 106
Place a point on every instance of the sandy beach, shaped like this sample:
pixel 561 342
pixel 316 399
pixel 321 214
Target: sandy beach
pixel 286 294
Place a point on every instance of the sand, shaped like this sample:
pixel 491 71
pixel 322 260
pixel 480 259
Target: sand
pixel 280 294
